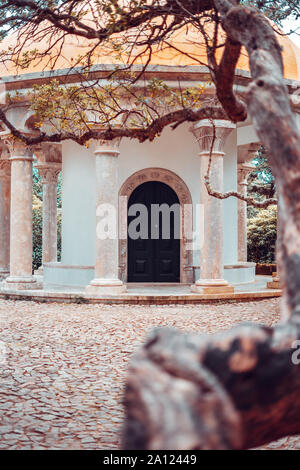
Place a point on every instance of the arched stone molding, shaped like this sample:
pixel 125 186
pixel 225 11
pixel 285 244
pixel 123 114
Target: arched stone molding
pixel 178 185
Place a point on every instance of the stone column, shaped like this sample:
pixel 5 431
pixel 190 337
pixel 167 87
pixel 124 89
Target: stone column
pixel 276 283
pixel 211 263
pixel 244 169
pixel 106 280
pixel 21 218
pixel 4 215
pixel 49 173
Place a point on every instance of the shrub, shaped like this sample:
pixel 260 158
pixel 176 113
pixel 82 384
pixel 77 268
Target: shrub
pixel 262 234
pixel 37 231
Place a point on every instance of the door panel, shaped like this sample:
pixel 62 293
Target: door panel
pixel 156 259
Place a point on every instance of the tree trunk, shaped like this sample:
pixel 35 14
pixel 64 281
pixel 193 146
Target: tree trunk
pixel 241 388
pixel 269 107
pixel 233 390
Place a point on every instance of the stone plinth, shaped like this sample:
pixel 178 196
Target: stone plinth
pixel 105 286
pixel 275 283
pixel 212 286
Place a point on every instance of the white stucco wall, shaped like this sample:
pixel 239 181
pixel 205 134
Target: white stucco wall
pixel 174 150
pixel 246 135
pixel 78 205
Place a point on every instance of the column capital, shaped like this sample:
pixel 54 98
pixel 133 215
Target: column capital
pixel 17 149
pixel 107 147
pixel 49 172
pixel 244 170
pixel 204 132
pixel 247 152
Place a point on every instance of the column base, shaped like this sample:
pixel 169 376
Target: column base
pixel 105 287
pixel 39 272
pixel 3 274
pixel 20 283
pixel 275 283
pixel 212 286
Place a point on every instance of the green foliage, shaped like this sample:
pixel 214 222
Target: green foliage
pixel 76 110
pixel 262 234
pixel 263 171
pixel 277 10
pixel 261 182
pixel 37 187
pixel 37 224
pixel 262 224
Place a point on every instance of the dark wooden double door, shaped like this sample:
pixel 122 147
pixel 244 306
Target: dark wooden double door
pixel 154 259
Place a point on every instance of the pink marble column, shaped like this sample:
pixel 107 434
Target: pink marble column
pixel 4 215
pixel 244 169
pixel 49 173
pixel 106 280
pixel 211 262
pixel 21 218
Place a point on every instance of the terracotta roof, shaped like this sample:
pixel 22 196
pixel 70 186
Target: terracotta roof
pixel 183 40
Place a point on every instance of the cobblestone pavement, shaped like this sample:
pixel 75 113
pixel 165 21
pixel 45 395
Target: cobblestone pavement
pixel 62 366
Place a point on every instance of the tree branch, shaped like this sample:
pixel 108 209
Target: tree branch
pixel 143 134
pixel 234 390
pixel 224 81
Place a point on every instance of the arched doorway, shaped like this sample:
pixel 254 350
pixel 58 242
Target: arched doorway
pixel 180 188
pixel 154 234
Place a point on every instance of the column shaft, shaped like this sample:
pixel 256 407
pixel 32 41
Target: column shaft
pixel 212 250
pixel 49 173
pixel 244 169
pixel 49 222
pixel 4 217
pixel 21 220
pixel 211 138
pixel 106 248
pixel 246 154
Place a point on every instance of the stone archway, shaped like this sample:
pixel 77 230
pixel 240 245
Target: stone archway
pixel 178 185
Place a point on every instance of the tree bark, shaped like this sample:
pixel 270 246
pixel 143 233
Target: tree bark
pixel 234 390
pixel 269 107
pixel 239 389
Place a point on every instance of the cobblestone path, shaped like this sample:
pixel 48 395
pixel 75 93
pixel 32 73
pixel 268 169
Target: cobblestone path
pixel 62 366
